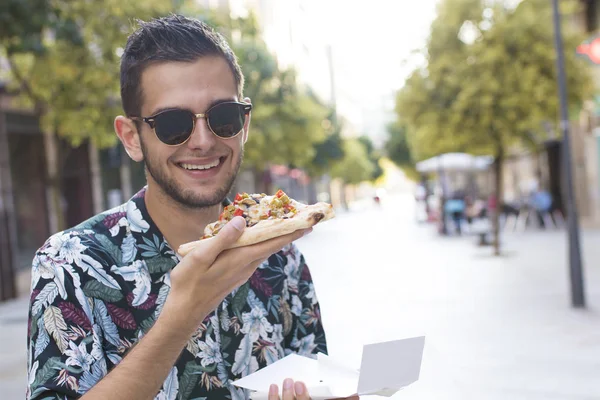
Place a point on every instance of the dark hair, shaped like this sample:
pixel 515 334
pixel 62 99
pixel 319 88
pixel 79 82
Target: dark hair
pixel 172 38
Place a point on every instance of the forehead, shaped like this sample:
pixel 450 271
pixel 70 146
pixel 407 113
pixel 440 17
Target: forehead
pixel 192 85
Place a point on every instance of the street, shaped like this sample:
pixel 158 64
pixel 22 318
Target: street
pixel 496 328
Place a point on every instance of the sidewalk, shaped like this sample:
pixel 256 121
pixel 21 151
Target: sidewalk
pixel 509 331
pixel 13 342
pixel 497 328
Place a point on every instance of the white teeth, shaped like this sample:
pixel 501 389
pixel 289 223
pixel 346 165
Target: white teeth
pixel 205 166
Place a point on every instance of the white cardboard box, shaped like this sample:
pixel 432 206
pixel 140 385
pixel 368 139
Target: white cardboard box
pixel 385 369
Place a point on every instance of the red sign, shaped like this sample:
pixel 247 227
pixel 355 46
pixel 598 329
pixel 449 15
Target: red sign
pixel 590 49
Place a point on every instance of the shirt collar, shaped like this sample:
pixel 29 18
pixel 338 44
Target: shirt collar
pixel 141 224
pixel 150 240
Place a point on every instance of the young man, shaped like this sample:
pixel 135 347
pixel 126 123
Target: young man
pixel 115 312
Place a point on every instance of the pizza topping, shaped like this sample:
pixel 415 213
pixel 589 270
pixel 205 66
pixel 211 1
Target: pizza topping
pixel 249 202
pixel 254 208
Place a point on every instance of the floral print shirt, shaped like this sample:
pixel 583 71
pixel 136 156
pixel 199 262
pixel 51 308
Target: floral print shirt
pixel 98 288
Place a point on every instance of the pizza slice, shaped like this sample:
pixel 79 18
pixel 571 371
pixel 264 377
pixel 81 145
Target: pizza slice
pixel 267 217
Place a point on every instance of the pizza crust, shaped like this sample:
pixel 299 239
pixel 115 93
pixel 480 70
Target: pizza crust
pixel 307 217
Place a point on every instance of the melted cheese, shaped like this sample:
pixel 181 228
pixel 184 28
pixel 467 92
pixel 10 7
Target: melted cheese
pixel 253 213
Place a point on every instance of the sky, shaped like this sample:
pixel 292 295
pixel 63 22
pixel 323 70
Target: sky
pixel 372 38
pixel 372 42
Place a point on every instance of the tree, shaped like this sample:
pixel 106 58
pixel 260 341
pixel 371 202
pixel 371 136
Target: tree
pixel 64 64
pixel 287 120
pixel 489 82
pixel 355 167
pixel 398 149
pixel 329 150
pixel 373 155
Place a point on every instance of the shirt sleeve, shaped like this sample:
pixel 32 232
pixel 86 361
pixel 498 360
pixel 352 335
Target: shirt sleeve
pixel 65 357
pixel 307 336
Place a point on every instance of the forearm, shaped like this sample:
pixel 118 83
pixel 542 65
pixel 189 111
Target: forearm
pixel 140 375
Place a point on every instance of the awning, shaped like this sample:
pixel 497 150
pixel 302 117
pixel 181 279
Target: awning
pixel 455 162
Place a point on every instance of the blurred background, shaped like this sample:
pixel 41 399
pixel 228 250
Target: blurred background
pixel 436 128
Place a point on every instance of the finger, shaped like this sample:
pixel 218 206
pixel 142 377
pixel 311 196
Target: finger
pixel 273 392
pixel 301 391
pixel 288 389
pixel 209 249
pixel 268 247
pixel 248 258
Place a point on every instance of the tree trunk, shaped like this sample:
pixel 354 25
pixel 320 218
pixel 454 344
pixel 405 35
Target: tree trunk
pixel 498 186
pixel 56 215
pixel 262 180
pixel 8 232
pixel 125 175
pixel 96 178
pixel 343 197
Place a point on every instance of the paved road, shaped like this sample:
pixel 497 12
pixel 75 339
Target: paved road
pixel 497 328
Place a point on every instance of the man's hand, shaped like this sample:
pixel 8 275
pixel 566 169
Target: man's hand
pixel 211 271
pixel 294 391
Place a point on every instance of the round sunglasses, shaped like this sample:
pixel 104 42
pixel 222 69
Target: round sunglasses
pixel 174 126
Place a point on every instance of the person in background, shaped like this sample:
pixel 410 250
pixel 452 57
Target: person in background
pixel 541 202
pixel 455 208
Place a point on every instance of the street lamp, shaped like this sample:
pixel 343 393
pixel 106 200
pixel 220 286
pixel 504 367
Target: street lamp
pixel 575 264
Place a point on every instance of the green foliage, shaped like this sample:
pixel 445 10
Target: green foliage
pixel 355 167
pixel 331 149
pixel 64 58
pixel 65 64
pixel 373 155
pixel 287 121
pixel 398 150
pixel 22 23
pixel 396 147
pixel 492 89
pixel 493 92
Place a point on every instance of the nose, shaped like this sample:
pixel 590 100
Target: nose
pixel 202 137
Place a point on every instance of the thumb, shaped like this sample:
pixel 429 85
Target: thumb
pixel 210 248
pixel 228 235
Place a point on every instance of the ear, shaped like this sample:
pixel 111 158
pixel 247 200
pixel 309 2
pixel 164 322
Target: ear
pixel 130 137
pixel 247 123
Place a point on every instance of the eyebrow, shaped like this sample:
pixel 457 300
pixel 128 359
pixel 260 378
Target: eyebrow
pixel 211 105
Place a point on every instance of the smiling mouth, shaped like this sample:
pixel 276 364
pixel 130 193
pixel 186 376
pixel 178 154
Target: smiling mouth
pixel 202 167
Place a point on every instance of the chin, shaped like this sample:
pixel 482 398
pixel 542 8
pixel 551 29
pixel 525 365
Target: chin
pixel 202 193
pixel 195 188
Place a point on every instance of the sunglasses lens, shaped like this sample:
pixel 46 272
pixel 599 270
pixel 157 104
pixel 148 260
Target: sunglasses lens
pixel 174 126
pixel 227 120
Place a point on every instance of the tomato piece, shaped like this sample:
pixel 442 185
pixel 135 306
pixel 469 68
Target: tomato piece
pixel 279 193
pixel 239 212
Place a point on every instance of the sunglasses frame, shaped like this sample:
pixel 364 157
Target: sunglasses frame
pixel 247 107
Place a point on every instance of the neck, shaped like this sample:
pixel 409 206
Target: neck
pixel 177 223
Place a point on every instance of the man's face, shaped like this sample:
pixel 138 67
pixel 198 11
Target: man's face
pixel 196 87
